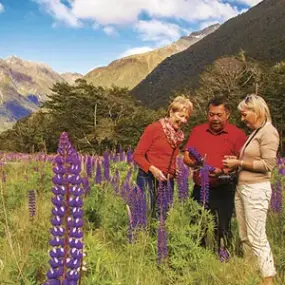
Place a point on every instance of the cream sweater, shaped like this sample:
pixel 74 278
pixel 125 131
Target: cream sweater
pixel 262 151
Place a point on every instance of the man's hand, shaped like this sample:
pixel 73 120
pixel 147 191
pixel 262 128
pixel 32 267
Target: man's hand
pixel 157 173
pixel 216 172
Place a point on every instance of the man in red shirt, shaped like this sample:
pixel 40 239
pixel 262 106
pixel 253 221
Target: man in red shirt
pixel 214 140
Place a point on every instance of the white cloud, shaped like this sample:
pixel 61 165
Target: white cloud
pixel 114 12
pixel 110 31
pixel 108 12
pixel 249 2
pixel 60 12
pixel 136 50
pixel 157 31
pixel 125 11
pixel 1 8
pixel 111 14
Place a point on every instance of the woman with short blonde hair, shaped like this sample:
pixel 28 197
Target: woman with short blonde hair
pixel 181 103
pixel 158 148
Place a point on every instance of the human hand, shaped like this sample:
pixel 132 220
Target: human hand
pixel 230 157
pixel 157 173
pixel 216 172
pixel 231 163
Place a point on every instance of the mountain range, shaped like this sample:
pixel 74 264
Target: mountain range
pixel 259 32
pixel 129 71
pixel 24 85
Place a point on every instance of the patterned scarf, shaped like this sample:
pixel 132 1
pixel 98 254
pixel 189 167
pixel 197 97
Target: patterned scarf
pixel 174 137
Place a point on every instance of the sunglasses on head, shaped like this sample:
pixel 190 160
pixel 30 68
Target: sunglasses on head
pixel 248 98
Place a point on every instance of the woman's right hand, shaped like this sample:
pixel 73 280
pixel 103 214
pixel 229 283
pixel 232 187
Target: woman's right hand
pixel 157 173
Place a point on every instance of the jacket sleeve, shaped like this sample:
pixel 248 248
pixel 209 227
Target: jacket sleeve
pixel 143 146
pixel 268 147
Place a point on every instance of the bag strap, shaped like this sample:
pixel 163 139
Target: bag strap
pixel 251 138
pixel 171 158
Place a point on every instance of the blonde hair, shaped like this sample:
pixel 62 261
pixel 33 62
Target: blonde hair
pixel 180 103
pixel 256 104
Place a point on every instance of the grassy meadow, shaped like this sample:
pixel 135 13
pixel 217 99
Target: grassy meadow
pixel 110 259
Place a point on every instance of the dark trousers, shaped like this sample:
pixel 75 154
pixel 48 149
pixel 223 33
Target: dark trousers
pixel 221 205
pixel 148 184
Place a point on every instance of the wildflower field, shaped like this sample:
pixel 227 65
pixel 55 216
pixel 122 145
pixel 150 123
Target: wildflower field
pixel 70 218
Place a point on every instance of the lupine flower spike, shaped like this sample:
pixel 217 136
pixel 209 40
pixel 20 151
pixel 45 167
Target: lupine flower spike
pixel 204 174
pixel 66 241
pixel 276 198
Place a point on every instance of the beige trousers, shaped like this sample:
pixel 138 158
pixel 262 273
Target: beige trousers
pixel 251 204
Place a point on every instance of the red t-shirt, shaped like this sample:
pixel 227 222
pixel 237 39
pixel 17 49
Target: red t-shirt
pixel 154 149
pixel 228 142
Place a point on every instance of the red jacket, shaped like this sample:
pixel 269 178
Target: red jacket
pixel 154 149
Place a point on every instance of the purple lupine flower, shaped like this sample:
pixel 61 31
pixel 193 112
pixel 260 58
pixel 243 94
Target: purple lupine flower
pixel 182 180
pixel 133 214
pixel 89 166
pixel 115 157
pixel 98 174
pixel 223 254
pixel 129 156
pixel 161 240
pixel 125 187
pixel 67 216
pixel 137 212
pixel 276 198
pixel 116 181
pixel 204 192
pixel 169 193
pixel 86 185
pixel 32 203
pixel 204 174
pixel 162 199
pixel 195 154
pixel 122 157
pixel 106 164
pixel 281 166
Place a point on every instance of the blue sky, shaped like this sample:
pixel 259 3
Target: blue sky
pixel 79 35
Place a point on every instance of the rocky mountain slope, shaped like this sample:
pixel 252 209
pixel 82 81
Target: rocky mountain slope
pixel 23 86
pixel 259 32
pixel 130 70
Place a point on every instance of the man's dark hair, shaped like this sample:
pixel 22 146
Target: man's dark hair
pixel 217 101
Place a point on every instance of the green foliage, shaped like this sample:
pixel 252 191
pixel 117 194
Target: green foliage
pixel 232 77
pixel 110 258
pixel 95 119
pixel 274 92
pixel 92 207
pixel 114 217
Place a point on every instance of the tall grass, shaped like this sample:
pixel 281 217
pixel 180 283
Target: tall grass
pixel 110 258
